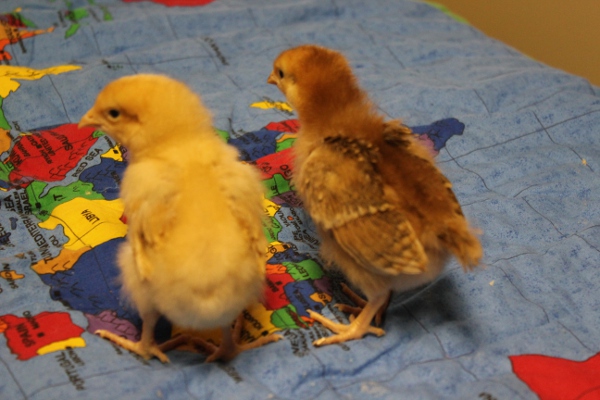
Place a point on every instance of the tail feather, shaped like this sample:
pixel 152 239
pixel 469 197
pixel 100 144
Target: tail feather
pixel 465 246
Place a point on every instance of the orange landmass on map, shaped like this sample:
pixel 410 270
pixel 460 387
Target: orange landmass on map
pixel 63 262
pixel 10 34
pixel 11 275
pixel 5 140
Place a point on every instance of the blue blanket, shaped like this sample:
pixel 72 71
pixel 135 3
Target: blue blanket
pixel 520 142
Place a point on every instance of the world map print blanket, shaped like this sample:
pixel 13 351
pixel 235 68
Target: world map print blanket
pixel 519 140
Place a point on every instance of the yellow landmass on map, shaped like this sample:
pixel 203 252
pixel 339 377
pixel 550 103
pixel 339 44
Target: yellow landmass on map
pixel 88 223
pixel 267 105
pixel 114 153
pixel 62 345
pixel 64 261
pixel 9 75
pixel 277 247
pixel 263 316
pixel 270 207
pixel 11 274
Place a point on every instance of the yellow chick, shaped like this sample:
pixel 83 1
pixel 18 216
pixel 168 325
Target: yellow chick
pixel 195 249
pixel 387 216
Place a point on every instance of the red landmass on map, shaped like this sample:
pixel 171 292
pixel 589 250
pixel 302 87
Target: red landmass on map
pixel 275 296
pixel 288 125
pixel 26 335
pixel 11 20
pixel 276 163
pixel 48 155
pixel 558 378
pixel 175 3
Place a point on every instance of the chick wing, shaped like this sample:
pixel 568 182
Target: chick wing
pixel 347 196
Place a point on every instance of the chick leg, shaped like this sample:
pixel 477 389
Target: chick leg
pixel 230 346
pixel 173 343
pixel 360 303
pixel 358 327
pixel 146 347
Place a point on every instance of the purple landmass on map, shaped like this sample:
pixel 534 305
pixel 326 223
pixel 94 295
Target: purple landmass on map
pixel 108 320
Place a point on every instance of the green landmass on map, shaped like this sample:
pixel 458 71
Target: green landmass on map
pixel 272 229
pixel 277 185
pixel 5 168
pixel 77 14
pixel 281 318
pixel 223 134
pixel 303 270
pixel 3 121
pixel 284 144
pixel 42 206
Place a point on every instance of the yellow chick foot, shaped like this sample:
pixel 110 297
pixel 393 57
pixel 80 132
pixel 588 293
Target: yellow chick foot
pixel 360 304
pixel 358 327
pixel 144 350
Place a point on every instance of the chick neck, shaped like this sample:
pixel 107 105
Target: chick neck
pixel 345 111
pixel 168 136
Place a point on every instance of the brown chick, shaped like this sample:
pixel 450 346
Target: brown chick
pixel 195 249
pixel 387 216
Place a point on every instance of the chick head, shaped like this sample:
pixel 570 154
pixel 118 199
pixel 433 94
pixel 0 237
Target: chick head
pixel 140 109
pixel 313 73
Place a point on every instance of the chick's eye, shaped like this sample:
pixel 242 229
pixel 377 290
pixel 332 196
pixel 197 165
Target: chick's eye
pixel 280 72
pixel 114 113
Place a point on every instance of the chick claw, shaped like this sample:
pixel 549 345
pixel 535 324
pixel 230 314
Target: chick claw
pixel 146 351
pixel 355 330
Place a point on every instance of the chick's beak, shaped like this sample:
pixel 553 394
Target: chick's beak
pixel 89 119
pixel 271 79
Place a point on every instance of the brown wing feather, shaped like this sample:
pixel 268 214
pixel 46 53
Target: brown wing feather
pixel 344 194
pixel 383 242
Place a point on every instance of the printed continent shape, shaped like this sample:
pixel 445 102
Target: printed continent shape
pixel 30 336
pixel 15 29
pixel 558 378
pixel 10 74
pixel 88 223
pixel 177 3
pixel 49 154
